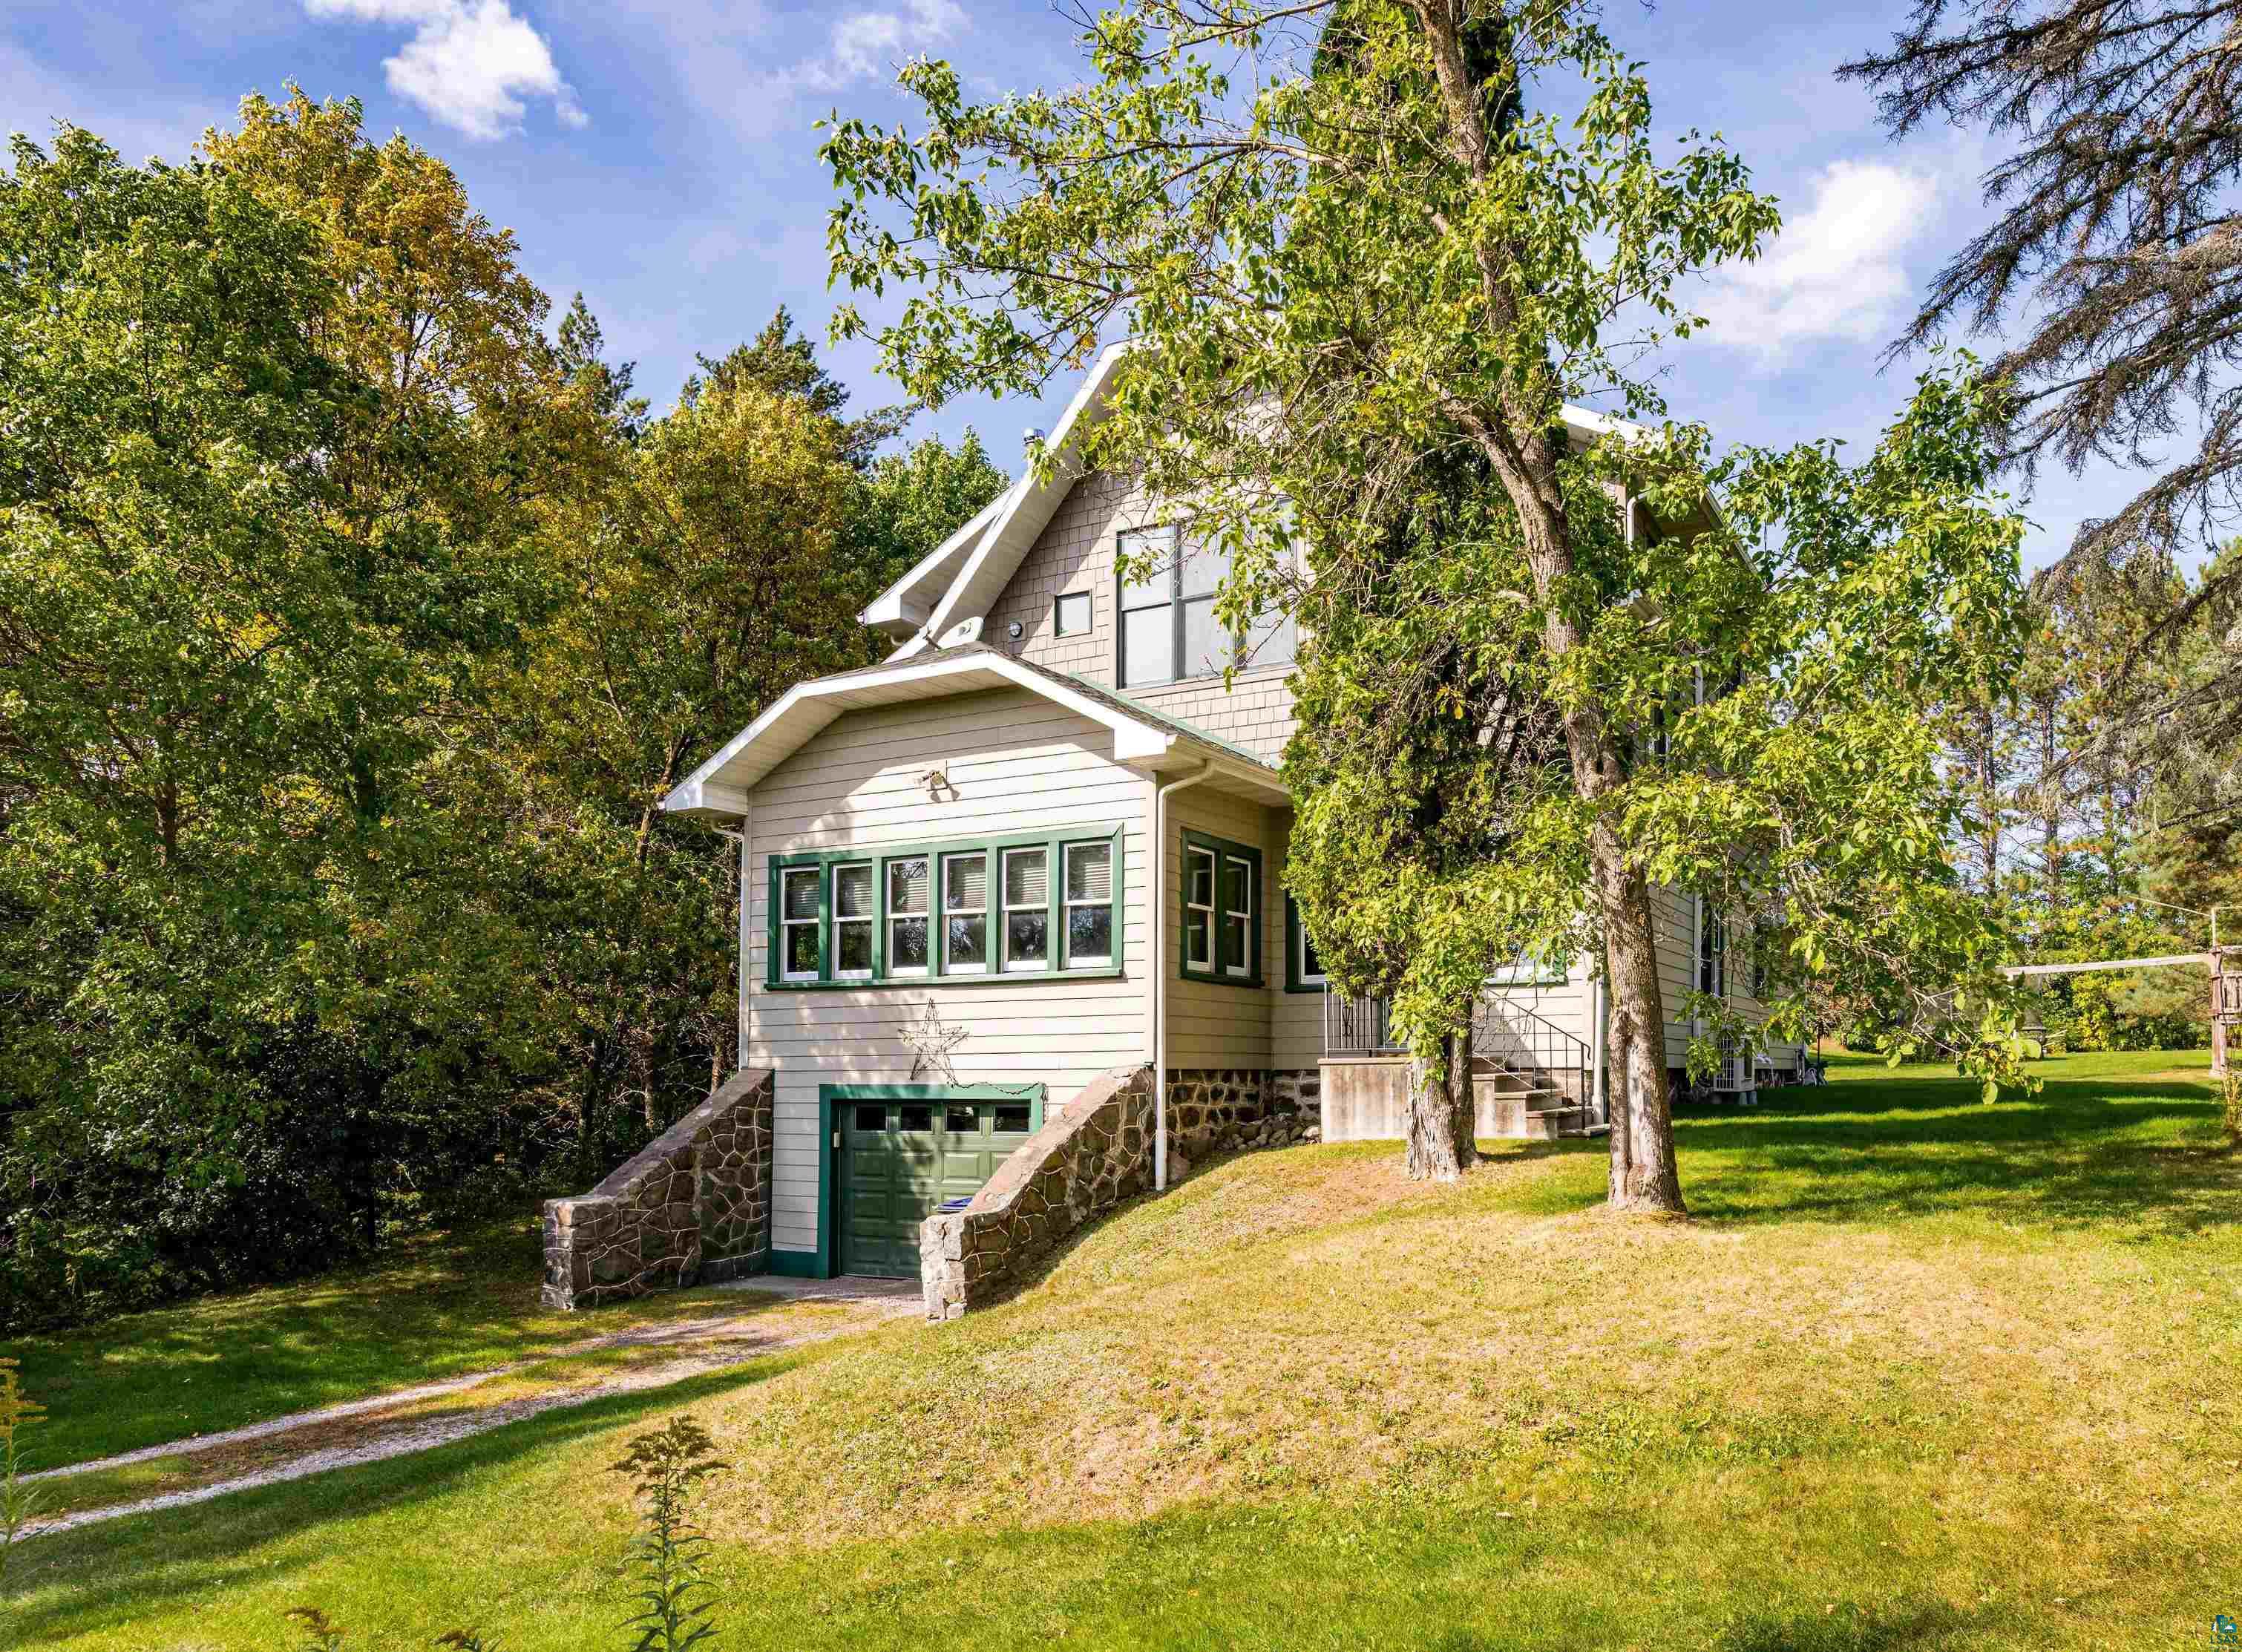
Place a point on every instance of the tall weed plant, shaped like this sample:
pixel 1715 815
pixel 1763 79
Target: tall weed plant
pixel 676 1604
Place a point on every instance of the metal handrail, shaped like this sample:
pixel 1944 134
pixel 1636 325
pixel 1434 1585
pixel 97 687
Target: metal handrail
pixel 1358 1027
pixel 1548 1052
pixel 1528 1046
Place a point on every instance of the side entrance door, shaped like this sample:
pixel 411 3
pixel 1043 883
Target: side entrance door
pixel 899 1158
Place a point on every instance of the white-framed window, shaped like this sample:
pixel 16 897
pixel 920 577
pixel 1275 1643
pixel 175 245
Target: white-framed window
pixel 1070 614
pixel 856 911
pixel 1027 908
pixel 1221 910
pixel 907 889
pixel 799 922
pixel 1199 909
pixel 1089 901
pixel 965 913
pixel 1238 903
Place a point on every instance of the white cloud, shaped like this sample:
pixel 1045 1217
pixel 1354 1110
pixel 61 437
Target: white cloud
pixel 469 62
pixel 864 44
pixel 1835 271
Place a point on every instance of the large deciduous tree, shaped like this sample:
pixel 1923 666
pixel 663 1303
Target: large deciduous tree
pixel 350 628
pixel 1366 252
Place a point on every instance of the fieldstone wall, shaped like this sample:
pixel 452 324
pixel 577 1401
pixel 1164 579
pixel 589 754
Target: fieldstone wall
pixel 1092 1153
pixel 1291 1110
pixel 1205 1104
pixel 1297 1093
pixel 693 1206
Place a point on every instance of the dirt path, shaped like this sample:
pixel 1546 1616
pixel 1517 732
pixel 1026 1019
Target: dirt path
pixel 412 1420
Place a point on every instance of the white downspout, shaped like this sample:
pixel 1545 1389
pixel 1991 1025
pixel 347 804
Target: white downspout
pixel 747 932
pixel 1599 1028
pixel 1158 974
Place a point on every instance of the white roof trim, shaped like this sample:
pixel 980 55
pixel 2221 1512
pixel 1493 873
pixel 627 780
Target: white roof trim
pixel 903 607
pixel 719 787
pixel 1028 506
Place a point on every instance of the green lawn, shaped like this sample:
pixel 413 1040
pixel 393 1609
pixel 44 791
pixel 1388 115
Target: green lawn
pixel 1921 1374
pixel 442 1306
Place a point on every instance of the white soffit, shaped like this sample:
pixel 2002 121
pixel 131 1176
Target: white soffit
pixel 719 788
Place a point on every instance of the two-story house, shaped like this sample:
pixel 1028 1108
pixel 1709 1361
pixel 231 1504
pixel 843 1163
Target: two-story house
pixel 1047 834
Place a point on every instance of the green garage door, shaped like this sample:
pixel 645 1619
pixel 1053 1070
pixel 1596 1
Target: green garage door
pixel 900 1160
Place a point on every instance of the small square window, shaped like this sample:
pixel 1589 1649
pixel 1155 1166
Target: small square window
pixel 1011 1120
pixel 872 1117
pixel 962 1121
pixel 917 1119
pixel 1071 615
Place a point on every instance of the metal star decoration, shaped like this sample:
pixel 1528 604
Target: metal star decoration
pixel 931 1044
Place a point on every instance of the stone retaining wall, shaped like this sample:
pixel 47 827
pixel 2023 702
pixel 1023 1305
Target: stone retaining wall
pixel 693 1206
pixel 1295 1092
pixel 1092 1153
pixel 1206 1103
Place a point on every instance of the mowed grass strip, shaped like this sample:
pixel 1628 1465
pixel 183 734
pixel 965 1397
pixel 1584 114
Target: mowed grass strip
pixel 446 1305
pixel 1920 1373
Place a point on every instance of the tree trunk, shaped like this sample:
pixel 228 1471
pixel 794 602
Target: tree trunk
pixel 1515 436
pixel 1644 1176
pixel 1441 1139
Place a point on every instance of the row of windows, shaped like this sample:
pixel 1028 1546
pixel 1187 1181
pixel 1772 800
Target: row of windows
pixel 969 910
pixel 1168 631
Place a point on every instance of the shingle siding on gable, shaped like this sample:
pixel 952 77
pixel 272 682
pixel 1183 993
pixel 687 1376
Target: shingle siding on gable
pixel 1074 553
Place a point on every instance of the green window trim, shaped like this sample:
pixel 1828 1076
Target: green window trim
pixel 940 968
pixel 1223 967
pixel 1297 979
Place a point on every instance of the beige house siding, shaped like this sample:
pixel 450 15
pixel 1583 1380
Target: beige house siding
pixel 1211 1024
pixel 1677 974
pixel 1018 764
pixel 1074 553
pixel 1253 713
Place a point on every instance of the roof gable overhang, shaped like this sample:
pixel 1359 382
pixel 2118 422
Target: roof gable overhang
pixel 720 789
pixel 942 601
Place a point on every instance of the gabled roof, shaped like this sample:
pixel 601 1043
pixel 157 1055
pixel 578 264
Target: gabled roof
pixel 1142 737
pixel 941 603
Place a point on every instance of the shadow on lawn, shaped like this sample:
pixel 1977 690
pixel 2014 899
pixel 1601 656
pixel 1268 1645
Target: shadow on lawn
pixel 2082 1151
pixel 440 1308
pixel 114 1572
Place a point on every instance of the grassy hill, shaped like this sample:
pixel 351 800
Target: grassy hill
pixel 1920 1373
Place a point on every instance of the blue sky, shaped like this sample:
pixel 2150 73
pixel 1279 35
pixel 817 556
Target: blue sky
pixel 660 158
